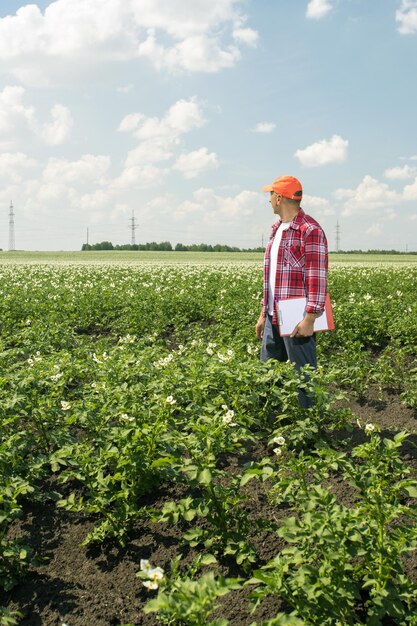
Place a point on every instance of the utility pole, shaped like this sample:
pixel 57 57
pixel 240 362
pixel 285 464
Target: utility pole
pixel 337 236
pixel 87 235
pixel 133 226
pixel 11 228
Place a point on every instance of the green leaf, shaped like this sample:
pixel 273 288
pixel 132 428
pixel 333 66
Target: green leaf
pixel 208 559
pixel 247 476
pixel 411 490
pixel 205 477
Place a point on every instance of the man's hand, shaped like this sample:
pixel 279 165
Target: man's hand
pixel 306 327
pixel 259 328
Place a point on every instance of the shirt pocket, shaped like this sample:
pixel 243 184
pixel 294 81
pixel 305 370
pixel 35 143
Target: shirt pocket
pixel 294 255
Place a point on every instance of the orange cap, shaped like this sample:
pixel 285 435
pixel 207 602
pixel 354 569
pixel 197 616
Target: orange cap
pixel 286 186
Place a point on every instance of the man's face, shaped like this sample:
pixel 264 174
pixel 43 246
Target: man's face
pixel 275 200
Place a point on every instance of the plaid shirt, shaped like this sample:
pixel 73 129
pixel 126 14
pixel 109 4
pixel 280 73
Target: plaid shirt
pixel 301 265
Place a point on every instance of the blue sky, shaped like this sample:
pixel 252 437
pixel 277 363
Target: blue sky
pixel 182 111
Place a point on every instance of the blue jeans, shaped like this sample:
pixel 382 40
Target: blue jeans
pixel 299 350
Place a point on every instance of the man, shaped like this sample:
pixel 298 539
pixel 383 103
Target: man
pixel 296 262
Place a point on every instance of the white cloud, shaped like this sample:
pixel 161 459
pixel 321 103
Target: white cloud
pixel 400 173
pixel 12 110
pixel 246 35
pixel 316 9
pixel 159 138
pixel 264 127
pixel 391 214
pixel 211 206
pixel 152 151
pixel 138 177
pixel 317 205
pixel 12 165
pixel 406 16
pixel 16 117
pixel 199 53
pixel 375 230
pixel 98 199
pixel 181 117
pixel 58 131
pixel 370 195
pixel 333 150
pixel 193 163
pixel 410 191
pixel 89 168
pixel 173 36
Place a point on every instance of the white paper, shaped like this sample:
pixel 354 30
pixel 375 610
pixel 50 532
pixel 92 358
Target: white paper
pixel 292 311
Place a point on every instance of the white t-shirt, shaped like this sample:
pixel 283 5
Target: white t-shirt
pixel 273 265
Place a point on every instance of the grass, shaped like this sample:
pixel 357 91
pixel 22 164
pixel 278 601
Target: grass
pixel 125 257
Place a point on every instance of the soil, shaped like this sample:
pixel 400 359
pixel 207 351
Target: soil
pixel 75 586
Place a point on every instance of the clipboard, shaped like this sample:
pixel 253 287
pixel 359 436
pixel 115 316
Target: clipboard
pixel 290 312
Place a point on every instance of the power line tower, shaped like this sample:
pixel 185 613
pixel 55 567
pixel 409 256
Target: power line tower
pixel 133 226
pixel 337 236
pixel 11 228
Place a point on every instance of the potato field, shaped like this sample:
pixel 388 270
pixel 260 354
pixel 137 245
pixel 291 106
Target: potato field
pixel 153 471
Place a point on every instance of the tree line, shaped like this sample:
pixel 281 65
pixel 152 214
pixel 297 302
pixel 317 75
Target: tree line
pixel 166 246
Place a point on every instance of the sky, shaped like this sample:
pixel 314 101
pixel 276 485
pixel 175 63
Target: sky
pixel 177 113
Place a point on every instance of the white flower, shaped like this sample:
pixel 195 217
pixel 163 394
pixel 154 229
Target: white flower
pixel 163 361
pixel 31 362
pixel 56 377
pixel 277 451
pixel 144 565
pixel 369 428
pixel 209 351
pixel 367 296
pixel 280 441
pixel 155 573
pixel 126 418
pixel 150 585
pixel 228 418
pixel 170 400
pixel 65 406
pixel 95 358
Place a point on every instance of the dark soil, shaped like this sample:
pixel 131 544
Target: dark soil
pixel 80 586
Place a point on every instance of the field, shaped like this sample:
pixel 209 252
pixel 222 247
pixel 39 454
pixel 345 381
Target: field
pixel 153 471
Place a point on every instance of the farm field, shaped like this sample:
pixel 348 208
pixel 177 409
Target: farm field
pixel 142 257
pixel 153 471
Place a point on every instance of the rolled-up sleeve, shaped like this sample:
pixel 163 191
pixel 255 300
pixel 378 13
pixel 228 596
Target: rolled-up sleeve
pixel 316 257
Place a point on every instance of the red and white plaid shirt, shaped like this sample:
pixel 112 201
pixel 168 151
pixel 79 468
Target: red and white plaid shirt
pixel 302 264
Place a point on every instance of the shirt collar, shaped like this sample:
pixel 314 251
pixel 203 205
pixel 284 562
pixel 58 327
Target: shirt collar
pixel 296 222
